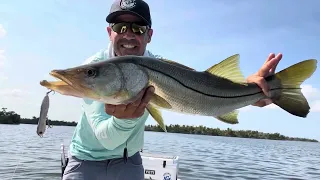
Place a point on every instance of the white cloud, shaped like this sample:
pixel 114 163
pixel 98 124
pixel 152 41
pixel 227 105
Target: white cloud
pixel 310 92
pixel 271 106
pixel 315 107
pixel 3 78
pixel 3 32
pixel 12 92
pixel 2 57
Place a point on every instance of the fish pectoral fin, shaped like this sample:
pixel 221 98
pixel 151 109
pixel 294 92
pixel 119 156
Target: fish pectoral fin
pixel 159 101
pixel 122 94
pixel 156 114
pixel 228 69
pixel 230 118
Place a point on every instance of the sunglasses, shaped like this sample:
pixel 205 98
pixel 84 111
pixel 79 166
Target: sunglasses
pixel 123 27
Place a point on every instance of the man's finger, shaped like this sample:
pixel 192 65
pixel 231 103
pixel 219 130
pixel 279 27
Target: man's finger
pixel 145 100
pixel 131 108
pixel 140 96
pixel 278 58
pixel 262 103
pixel 265 69
pixel 109 109
pixel 120 109
pixel 134 104
pixel 259 104
pixel 261 83
pixel 147 96
pixel 271 55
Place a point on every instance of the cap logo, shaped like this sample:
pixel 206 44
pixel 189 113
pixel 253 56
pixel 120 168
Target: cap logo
pixel 127 4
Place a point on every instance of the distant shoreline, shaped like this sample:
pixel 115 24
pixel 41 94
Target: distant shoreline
pixel 10 117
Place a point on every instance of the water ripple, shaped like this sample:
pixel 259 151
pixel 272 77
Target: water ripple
pixel 201 157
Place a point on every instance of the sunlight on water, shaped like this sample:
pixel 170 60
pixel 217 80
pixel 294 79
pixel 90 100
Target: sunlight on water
pixel 202 157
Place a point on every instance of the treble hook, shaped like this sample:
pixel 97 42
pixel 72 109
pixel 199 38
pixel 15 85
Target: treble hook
pixel 48 123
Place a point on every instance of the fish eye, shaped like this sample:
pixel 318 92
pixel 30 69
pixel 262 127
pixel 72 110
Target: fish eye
pixel 91 72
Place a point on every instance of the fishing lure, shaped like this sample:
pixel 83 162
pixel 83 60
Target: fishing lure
pixel 43 119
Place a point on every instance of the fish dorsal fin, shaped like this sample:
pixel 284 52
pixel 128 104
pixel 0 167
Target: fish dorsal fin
pixel 177 64
pixel 229 69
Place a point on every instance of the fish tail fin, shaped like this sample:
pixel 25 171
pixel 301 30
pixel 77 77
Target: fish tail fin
pixel 291 99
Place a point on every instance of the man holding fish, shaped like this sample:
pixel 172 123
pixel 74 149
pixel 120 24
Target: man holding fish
pixel 108 138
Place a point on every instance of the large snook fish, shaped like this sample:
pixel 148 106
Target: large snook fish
pixel 218 91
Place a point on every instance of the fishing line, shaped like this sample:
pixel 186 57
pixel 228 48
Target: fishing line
pixel 19 160
pixel 27 142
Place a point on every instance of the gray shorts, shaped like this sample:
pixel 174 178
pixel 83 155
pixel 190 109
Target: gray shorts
pixel 114 169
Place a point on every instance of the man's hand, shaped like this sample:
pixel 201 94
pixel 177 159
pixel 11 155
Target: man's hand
pixel 268 68
pixel 132 110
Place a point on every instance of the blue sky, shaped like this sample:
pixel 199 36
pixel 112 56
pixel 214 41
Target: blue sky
pixel 37 36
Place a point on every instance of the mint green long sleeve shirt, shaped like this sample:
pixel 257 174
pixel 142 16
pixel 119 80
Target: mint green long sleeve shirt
pixel 99 136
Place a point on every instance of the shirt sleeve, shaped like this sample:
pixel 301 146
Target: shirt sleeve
pixel 109 130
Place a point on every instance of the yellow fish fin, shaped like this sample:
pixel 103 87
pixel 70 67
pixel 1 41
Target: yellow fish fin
pixel 122 93
pixel 230 117
pixel 229 69
pixel 156 114
pixel 291 98
pixel 159 101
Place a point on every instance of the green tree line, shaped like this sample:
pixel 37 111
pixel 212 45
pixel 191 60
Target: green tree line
pixel 11 117
pixel 202 130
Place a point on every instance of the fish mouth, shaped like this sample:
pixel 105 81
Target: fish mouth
pixel 61 87
pixel 60 74
pixel 69 77
pixel 46 84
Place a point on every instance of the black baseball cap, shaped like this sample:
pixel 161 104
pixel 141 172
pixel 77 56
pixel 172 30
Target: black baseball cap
pixel 135 7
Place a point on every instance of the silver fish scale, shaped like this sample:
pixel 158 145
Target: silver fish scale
pixel 134 78
pixel 187 101
pixel 203 82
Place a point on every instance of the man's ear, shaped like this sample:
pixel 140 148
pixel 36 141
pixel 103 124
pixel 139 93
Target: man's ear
pixel 150 33
pixel 109 30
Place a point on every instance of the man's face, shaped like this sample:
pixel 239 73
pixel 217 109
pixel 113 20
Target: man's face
pixel 129 43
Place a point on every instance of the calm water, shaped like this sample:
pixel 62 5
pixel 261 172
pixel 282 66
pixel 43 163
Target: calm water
pixel 202 157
